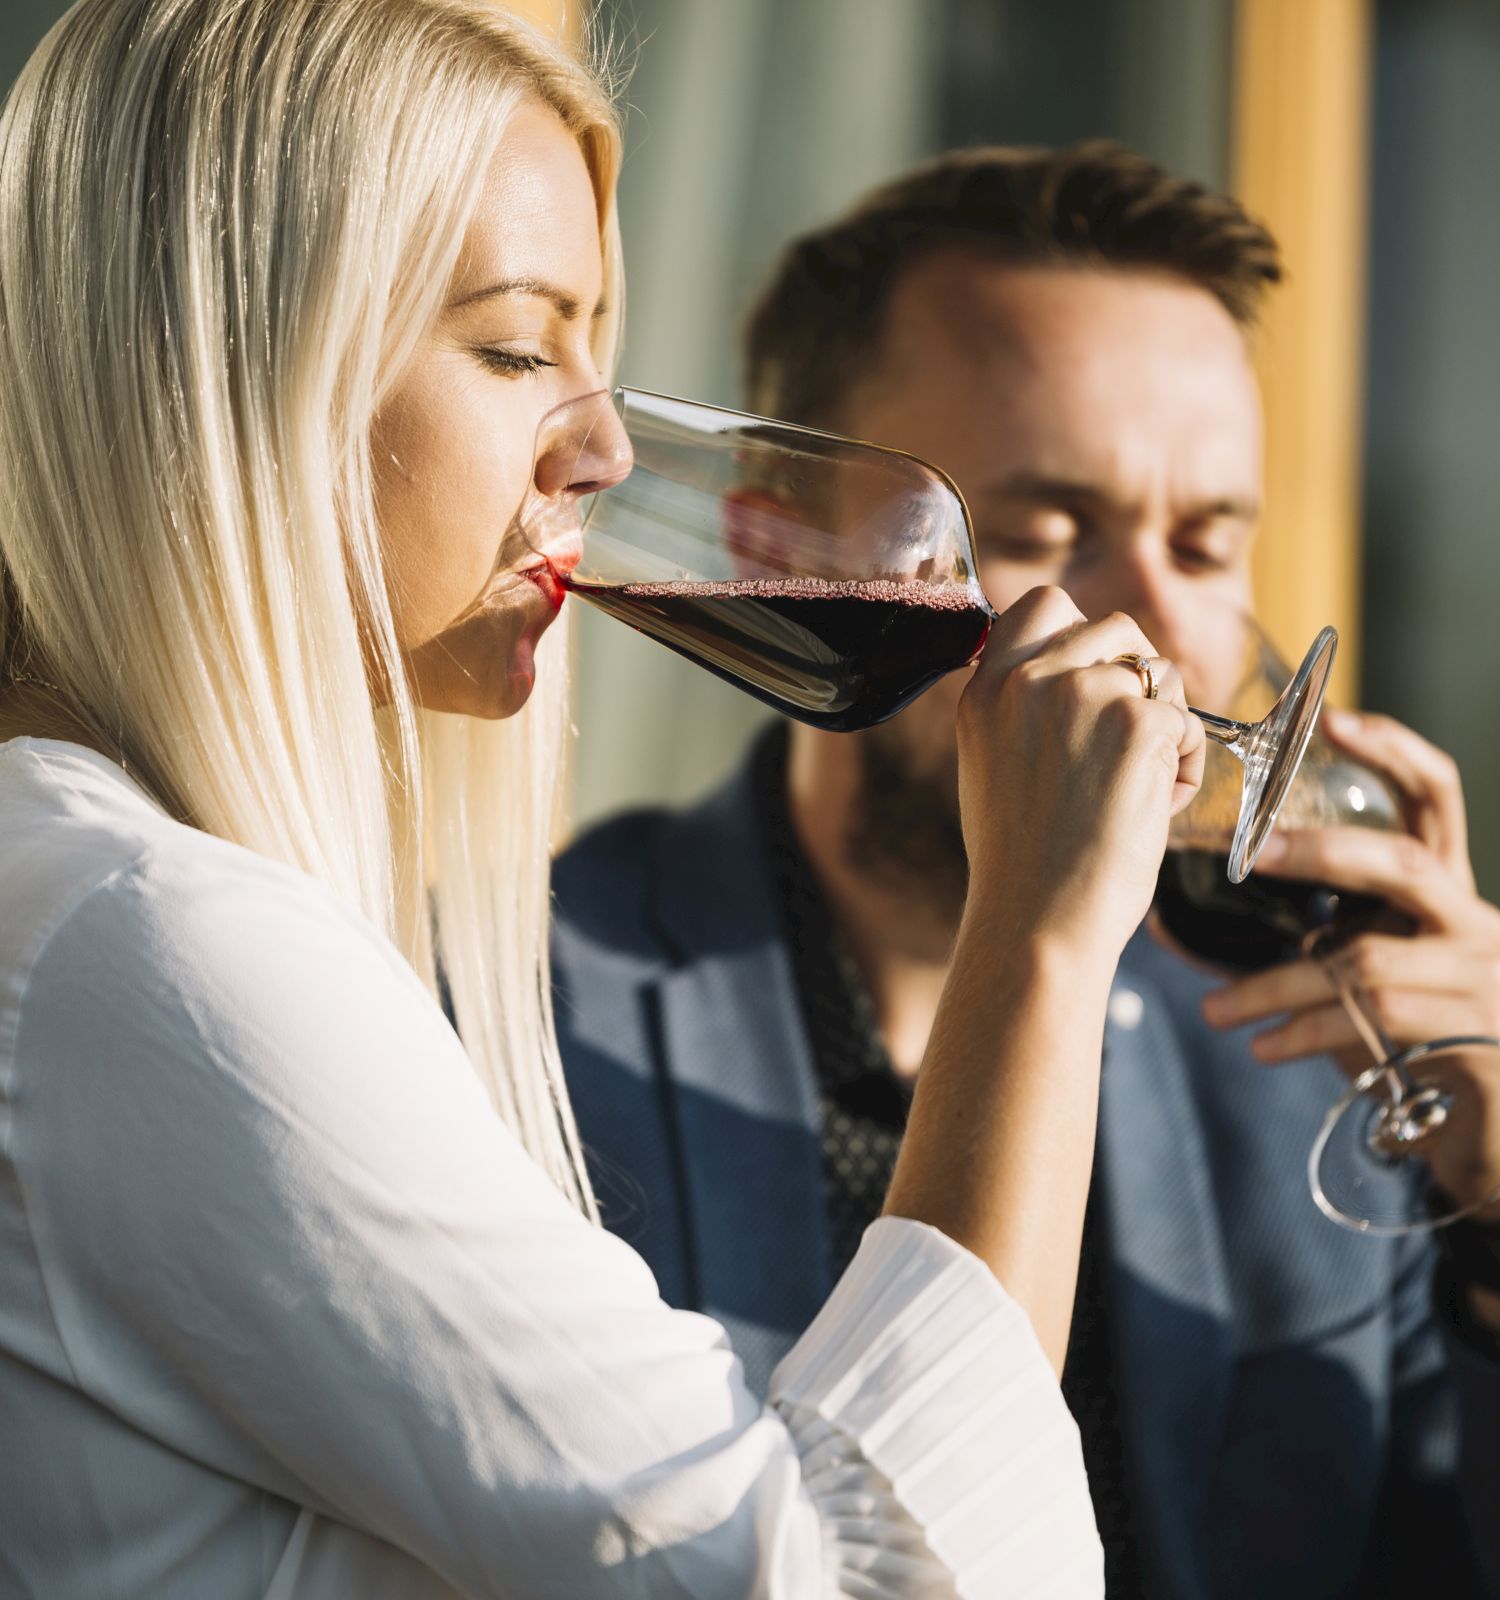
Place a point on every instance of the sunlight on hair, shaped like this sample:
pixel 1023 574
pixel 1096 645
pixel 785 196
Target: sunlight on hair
pixel 224 228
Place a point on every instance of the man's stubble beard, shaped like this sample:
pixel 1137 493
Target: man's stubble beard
pixel 904 834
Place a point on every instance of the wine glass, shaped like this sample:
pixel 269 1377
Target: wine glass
pixel 830 579
pixel 1261 920
pixel 833 579
pixel 1365 1169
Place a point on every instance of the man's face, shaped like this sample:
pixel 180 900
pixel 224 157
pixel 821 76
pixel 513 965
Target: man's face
pixel 1104 428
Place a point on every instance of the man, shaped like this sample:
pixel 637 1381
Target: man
pixel 1268 1404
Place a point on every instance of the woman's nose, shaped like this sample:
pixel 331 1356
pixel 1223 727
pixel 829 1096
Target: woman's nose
pixel 583 447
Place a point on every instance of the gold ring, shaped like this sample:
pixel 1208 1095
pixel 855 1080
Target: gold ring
pixel 1144 668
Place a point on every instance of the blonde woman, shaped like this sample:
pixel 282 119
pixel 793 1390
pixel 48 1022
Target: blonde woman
pixel 300 1296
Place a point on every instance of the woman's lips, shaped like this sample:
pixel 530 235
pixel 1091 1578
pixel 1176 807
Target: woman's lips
pixel 550 575
pixel 550 582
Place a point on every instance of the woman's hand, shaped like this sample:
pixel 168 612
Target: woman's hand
pixel 1067 779
pixel 1068 775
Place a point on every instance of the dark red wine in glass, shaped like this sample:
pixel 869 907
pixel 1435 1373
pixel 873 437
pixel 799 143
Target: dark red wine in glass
pixel 1244 927
pixel 832 579
pixel 840 656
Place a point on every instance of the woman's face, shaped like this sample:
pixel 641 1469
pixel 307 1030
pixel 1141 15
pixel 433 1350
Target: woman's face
pixel 456 451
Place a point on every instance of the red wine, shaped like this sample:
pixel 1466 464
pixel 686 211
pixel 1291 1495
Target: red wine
pixel 1249 925
pixel 836 655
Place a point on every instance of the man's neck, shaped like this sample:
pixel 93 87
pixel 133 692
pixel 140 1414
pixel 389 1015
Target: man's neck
pixel 899 934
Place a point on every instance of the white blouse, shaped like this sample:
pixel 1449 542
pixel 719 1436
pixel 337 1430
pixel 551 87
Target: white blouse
pixel 287 1313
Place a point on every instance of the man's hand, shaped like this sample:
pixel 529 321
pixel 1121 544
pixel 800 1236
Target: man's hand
pixel 1441 980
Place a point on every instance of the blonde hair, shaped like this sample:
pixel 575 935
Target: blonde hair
pixel 225 226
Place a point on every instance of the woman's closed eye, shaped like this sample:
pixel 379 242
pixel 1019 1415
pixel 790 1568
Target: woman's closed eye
pixel 511 363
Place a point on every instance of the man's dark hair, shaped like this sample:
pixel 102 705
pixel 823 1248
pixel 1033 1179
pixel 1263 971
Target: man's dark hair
pixel 816 327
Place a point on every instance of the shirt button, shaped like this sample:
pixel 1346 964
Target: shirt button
pixel 1126 1008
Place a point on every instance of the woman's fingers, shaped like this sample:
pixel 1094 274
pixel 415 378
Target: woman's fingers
pixel 1176 730
pixel 1045 623
pixel 1040 641
pixel 1026 627
pixel 1192 744
pixel 1067 773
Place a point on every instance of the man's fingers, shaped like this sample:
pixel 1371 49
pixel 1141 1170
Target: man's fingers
pixel 1427 777
pixel 1318 1031
pixel 1406 1016
pixel 1370 963
pixel 1431 963
pixel 1294 986
pixel 1394 866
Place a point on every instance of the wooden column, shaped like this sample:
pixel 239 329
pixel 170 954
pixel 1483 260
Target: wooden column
pixel 1300 162
pixel 561 18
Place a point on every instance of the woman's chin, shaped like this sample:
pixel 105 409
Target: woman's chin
pixel 485 667
pixel 521 679
pixel 504 690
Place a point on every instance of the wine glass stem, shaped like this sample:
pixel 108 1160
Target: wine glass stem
pixel 1399 1083
pixel 1234 736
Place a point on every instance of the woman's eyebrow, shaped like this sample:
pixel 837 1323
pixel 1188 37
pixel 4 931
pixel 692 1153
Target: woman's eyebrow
pixel 567 304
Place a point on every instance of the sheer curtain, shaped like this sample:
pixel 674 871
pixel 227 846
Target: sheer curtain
pixel 747 120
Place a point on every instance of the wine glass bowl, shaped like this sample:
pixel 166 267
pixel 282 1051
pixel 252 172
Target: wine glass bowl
pixel 832 579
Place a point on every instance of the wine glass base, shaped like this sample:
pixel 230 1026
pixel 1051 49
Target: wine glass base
pixel 1366 1168
pixel 1363 1178
pixel 1399 1131
pixel 1274 752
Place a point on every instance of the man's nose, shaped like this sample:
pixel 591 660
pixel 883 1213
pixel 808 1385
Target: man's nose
pixel 583 447
pixel 1140 583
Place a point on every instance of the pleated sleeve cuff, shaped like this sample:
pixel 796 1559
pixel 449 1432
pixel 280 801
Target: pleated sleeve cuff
pixel 921 1367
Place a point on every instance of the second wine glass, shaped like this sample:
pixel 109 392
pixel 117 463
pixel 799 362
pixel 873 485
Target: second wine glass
pixel 1366 1168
